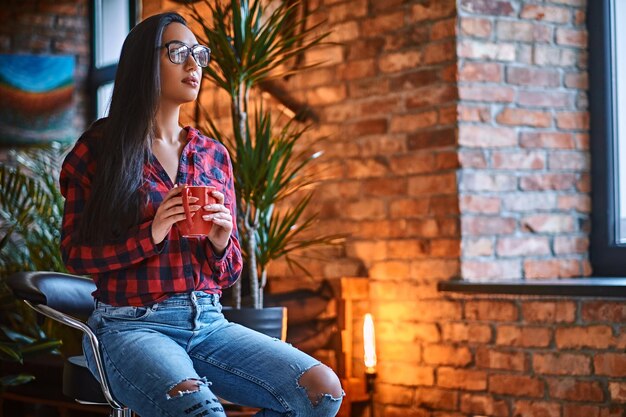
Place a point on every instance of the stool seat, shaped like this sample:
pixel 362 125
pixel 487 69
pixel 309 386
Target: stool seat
pixel 79 383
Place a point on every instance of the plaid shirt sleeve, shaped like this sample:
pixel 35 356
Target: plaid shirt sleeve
pixel 75 181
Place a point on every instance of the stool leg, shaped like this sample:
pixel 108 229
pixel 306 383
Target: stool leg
pixel 120 413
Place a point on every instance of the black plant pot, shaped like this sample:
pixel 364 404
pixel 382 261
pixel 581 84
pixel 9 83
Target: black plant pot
pixel 271 321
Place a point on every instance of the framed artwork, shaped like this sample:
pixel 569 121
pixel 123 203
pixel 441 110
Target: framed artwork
pixel 36 103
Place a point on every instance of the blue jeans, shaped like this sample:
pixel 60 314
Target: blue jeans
pixel 148 351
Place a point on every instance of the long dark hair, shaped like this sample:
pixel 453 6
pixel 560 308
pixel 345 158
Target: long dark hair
pixel 116 200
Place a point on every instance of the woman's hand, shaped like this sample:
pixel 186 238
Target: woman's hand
pixel 222 223
pixel 170 211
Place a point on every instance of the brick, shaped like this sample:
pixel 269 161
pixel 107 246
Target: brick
pixel 570 244
pixel 365 88
pixel 366 168
pixel 549 312
pixel 579 80
pixel 394 394
pixel 487 181
pixel 481 72
pixel 432 184
pixel 412 37
pixel 435 53
pixel 444 205
pixel 547 140
pixel 366 127
pixel 577 202
pixel 552 268
pixel 344 32
pixel 543 182
pixel 401 336
pixel 432 10
pixel 598 337
pixel 354 70
pixel 491 310
pixel 548 223
pixel 446 160
pixel 466 332
pixel 382 106
pixel 395 62
pixel 326 95
pixel 477 247
pixel 391 411
pixel 523 336
pixel 580 410
pixel 562 363
pixel 367 250
pixel 490 358
pixel 448 115
pixel 518 160
pixel 472 158
pixel 475 27
pixel 445 248
pixel 434 269
pixel 553 56
pixel 432 95
pixel 433 398
pixel 610 364
pixel 572 161
pixel 473 113
pixel 529 201
pixel 571 37
pixel 487 7
pixel 533 77
pixel 487 94
pixel 359 49
pixel 346 11
pixel 475 404
pixel 521 31
pixel 364 209
pixel 410 122
pixel 443 29
pixel 480 204
pixel 380 146
pixel 381 23
pixel 518 385
pixel 604 311
pixel 414 79
pixel 525 408
pixel 546 13
pixel 407 249
pixel 522 246
pixel 412 163
pixel 480 225
pixel 617 390
pixel 573 120
pixel 407 208
pixel 389 270
pixel 541 99
pixel 461 379
pixel 575 390
pixel 447 355
pixel 491 270
pixel 486 50
pixel 486 136
pixel 406 373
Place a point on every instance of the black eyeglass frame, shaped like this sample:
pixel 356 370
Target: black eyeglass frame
pixel 190 50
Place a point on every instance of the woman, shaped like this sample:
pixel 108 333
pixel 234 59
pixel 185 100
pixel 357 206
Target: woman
pixel 167 349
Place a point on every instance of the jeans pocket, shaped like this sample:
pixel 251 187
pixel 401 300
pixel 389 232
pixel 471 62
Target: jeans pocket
pixel 126 312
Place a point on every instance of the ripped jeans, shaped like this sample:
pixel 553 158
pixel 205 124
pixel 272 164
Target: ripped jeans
pixel 148 351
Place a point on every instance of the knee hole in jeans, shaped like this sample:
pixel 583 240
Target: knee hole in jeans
pixel 319 381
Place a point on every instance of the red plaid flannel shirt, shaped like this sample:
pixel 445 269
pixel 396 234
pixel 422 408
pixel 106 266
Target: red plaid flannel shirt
pixel 137 271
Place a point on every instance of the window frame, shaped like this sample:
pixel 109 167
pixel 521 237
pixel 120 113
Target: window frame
pixel 606 255
pixel 101 76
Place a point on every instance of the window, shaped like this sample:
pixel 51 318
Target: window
pixel 606 22
pixel 111 20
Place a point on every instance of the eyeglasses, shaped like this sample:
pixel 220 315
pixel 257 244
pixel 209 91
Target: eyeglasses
pixel 178 53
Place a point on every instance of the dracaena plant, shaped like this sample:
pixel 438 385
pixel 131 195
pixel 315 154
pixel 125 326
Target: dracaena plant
pixel 31 208
pixel 251 46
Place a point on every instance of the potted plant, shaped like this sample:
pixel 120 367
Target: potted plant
pixel 251 46
pixel 31 207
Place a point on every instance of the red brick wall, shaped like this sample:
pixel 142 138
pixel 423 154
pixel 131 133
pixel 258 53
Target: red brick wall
pixel 523 139
pixel 58 27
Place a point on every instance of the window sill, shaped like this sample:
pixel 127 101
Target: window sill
pixel 580 287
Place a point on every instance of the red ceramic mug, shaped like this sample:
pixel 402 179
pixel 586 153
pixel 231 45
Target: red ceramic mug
pixel 196 226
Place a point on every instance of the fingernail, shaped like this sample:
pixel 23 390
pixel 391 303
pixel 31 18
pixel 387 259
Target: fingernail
pixel 207 217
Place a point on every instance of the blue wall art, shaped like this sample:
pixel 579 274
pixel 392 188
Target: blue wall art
pixel 36 103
